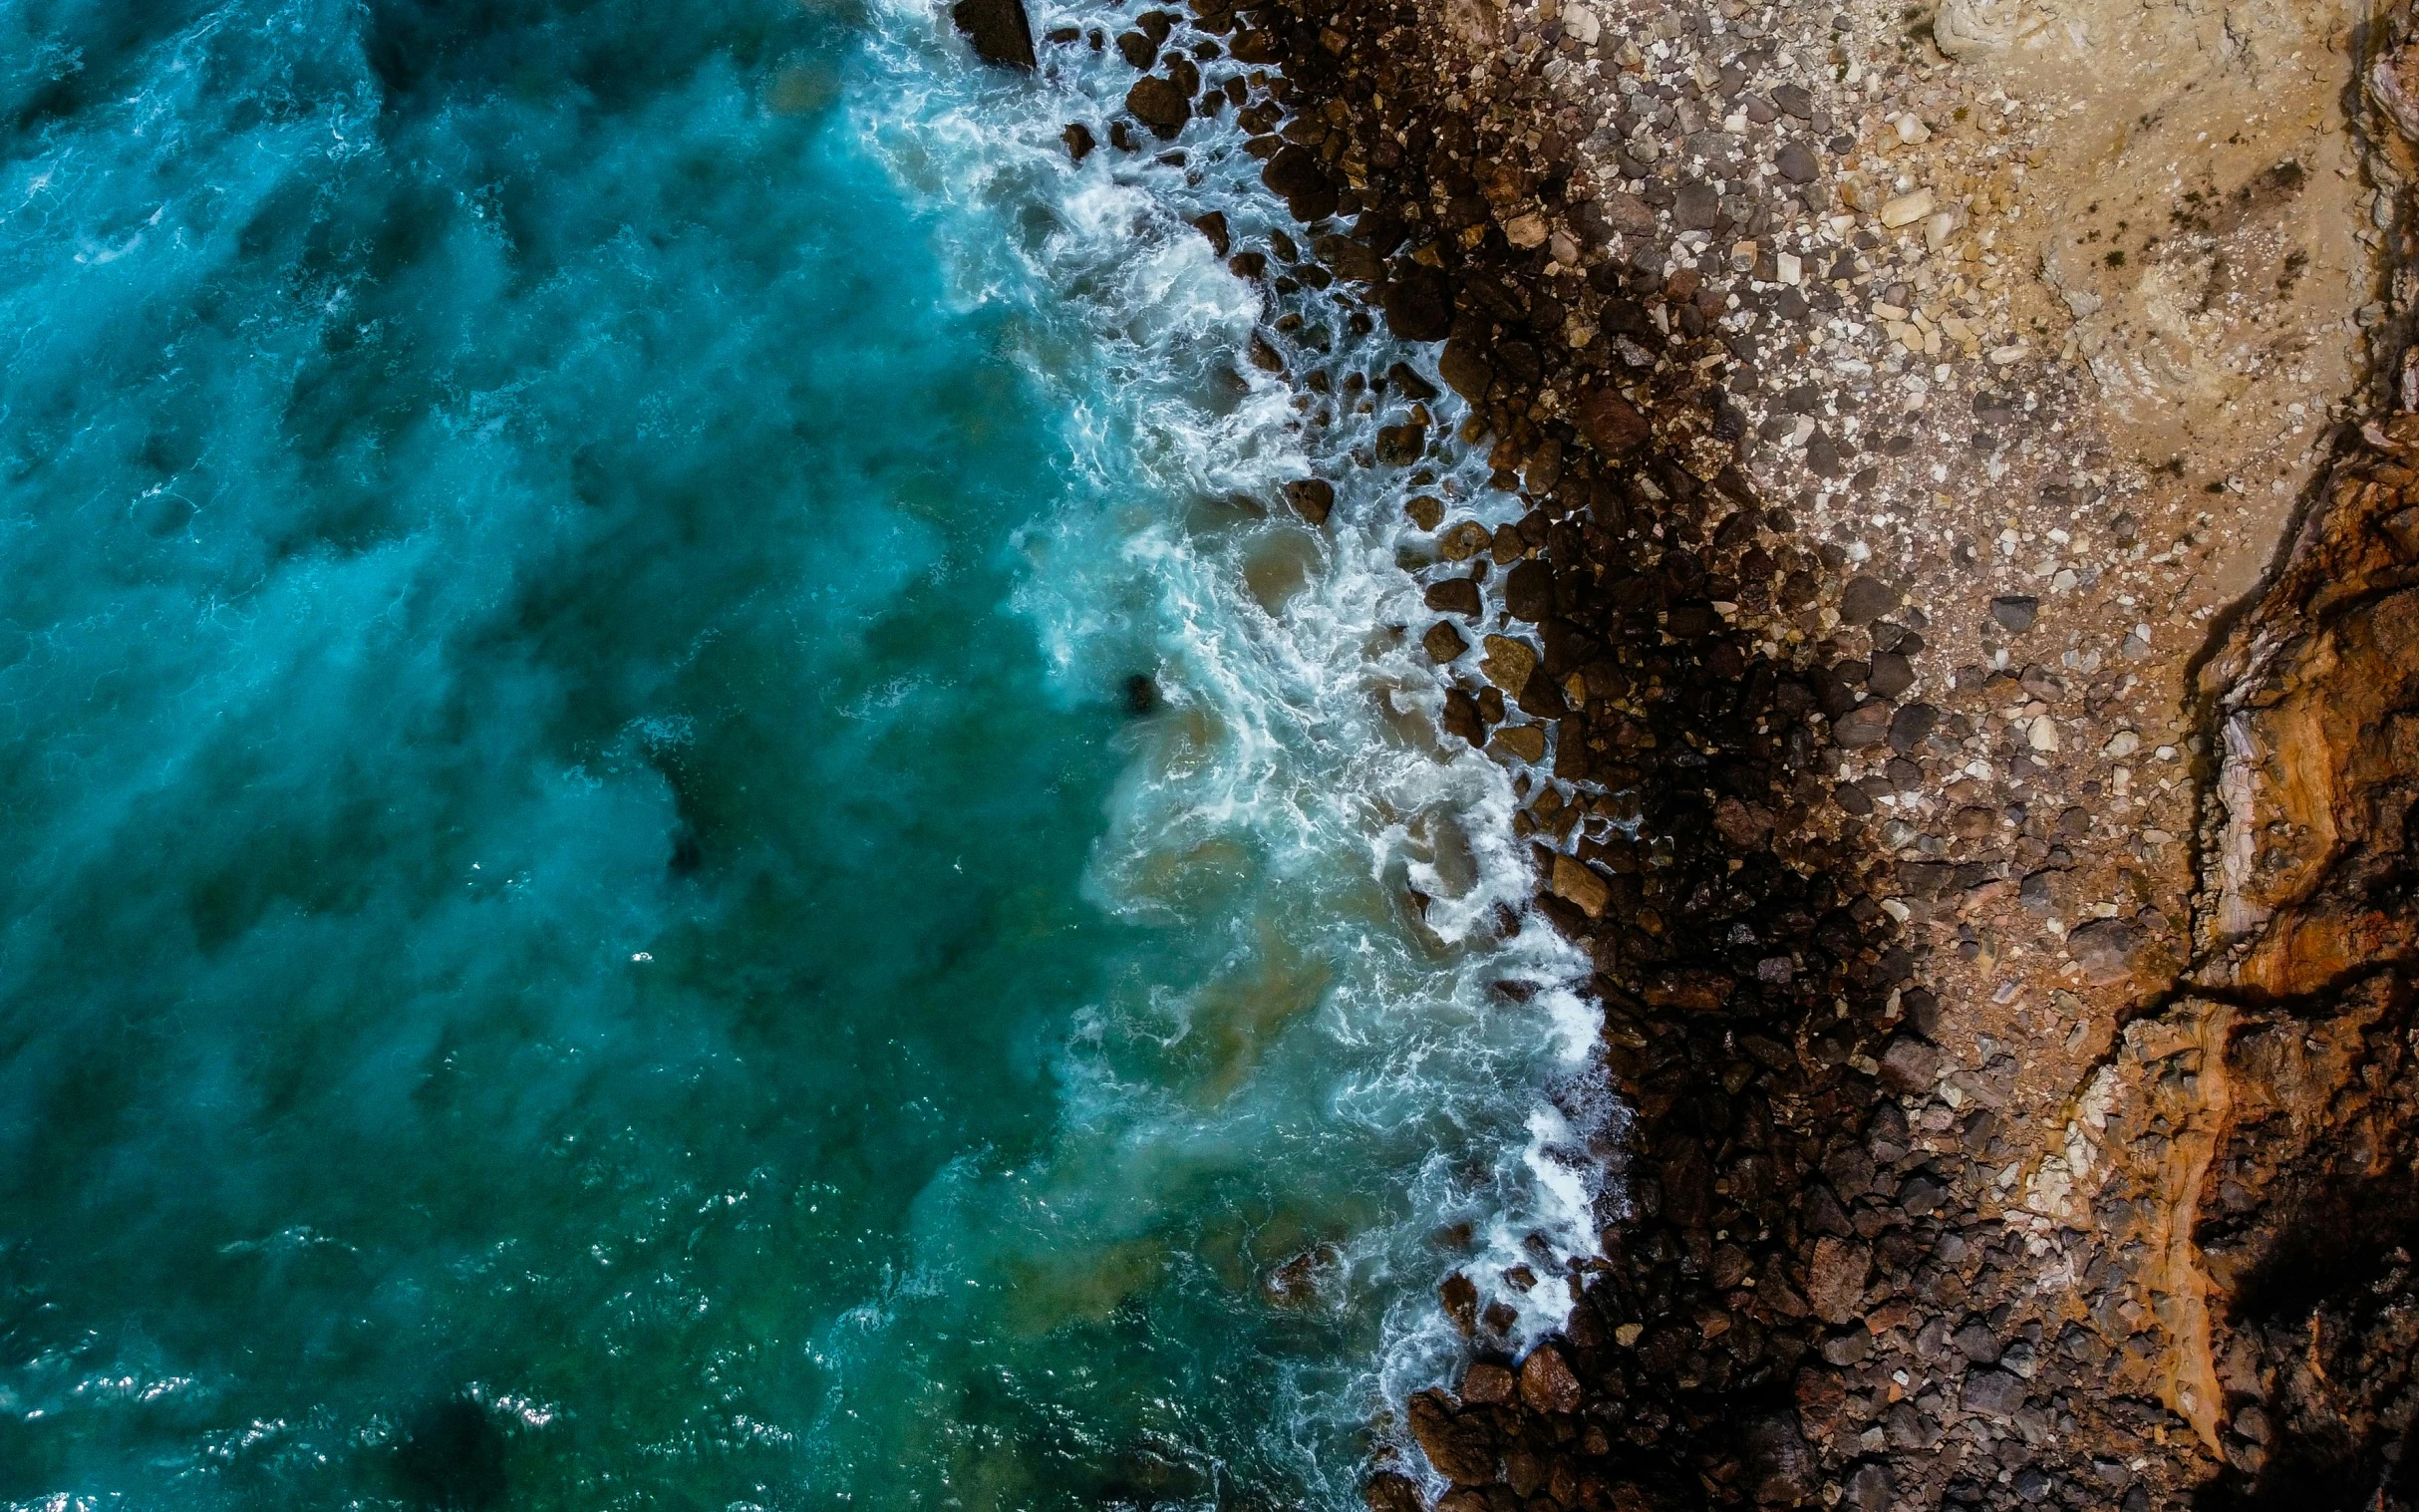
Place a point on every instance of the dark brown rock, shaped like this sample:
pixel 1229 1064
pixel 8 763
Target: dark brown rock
pixel 1909 1066
pixel 1461 716
pixel 1458 1293
pixel 1462 1448
pixel 1781 1470
pixel 1546 1381
pixel 1693 989
pixel 1418 305
pixel 1868 724
pixel 1865 599
pixel 1401 446
pixel 1454 595
pixel 2015 612
pixel 1158 104
pixel 1409 384
pixel 1487 1383
pixel 1612 423
pixel 2107 947
pixel 997 29
pixel 1391 1491
pixel 1464 369
pixel 1528 592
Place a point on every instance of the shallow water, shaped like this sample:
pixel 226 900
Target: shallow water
pixel 591 919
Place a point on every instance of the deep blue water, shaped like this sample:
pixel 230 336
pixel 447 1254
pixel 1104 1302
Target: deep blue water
pixel 589 919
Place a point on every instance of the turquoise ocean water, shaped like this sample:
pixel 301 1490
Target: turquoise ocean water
pixel 594 913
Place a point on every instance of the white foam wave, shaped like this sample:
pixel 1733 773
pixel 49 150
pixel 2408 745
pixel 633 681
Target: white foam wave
pixel 1295 781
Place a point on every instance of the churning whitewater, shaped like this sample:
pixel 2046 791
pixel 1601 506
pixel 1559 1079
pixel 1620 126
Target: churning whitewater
pixel 1301 746
pixel 696 828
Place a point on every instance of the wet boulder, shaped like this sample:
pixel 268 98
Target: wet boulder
pixel 1460 1447
pixel 997 29
pixel 1418 304
pixel 1314 498
pixel 1528 592
pixel 1465 370
pixel 1546 1381
pixel 1454 595
pixel 1158 104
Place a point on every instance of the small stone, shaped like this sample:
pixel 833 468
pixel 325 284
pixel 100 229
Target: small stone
pixel 1525 231
pixel 1401 446
pixel 1869 1489
pixel 1890 676
pixel 1909 1066
pixel 1079 141
pixel 1426 511
pixel 1443 643
pixel 1911 725
pixel 1921 1196
pixel 1868 724
pixel 2043 735
pixel 1688 988
pixel 1848 1347
pixel 1780 1468
pixel 2015 613
pixel 1213 227
pixel 2121 745
pixel 2107 947
pixel 1465 370
pixel 1459 1294
pixel 1907 209
pixel 1697 208
pixel 1418 306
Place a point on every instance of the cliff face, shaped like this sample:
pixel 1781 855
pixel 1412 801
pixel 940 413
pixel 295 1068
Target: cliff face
pixel 2304 1209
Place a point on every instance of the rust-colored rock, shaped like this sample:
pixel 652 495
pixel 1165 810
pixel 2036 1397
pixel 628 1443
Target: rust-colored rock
pixel 1546 1382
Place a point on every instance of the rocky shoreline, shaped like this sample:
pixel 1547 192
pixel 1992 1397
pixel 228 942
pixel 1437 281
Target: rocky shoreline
pixel 1996 874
